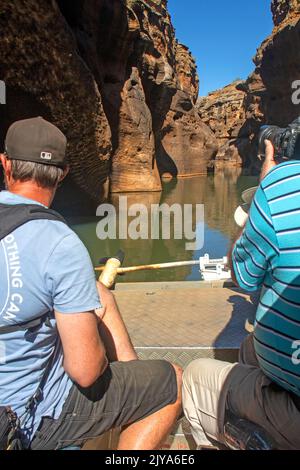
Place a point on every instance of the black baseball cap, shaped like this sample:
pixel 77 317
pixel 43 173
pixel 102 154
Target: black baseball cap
pixel 36 140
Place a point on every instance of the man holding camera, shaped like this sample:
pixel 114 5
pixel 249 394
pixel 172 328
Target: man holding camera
pixel 264 387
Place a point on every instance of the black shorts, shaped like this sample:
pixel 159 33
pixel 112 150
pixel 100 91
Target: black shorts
pixel 127 392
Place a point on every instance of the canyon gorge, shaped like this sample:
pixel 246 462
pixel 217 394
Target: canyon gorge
pixel 113 77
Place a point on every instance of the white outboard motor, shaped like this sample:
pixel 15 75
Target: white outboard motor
pixel 214 269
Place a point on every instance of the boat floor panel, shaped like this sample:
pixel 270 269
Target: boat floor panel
pixel 185 318
pixel 179 322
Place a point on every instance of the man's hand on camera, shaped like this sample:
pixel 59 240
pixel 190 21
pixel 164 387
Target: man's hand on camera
pixel 269 162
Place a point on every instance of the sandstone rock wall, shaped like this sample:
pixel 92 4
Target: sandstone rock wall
pixel 113 77
pixel 267 92
pixel 45 75
pixel 223 111
pixel 284 10
pixel 183 145
pixel 269 89
pixel 107 33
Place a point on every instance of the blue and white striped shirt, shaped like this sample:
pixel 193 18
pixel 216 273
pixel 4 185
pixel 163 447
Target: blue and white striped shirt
pixel 267 256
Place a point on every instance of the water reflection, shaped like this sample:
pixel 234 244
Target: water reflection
pixel 220 195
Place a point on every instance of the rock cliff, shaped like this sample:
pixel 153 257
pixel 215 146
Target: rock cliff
pixel 267 92
pixel 45 75
pixel 284 10
pixel 223 111
pixel 113 77
pixel 185 145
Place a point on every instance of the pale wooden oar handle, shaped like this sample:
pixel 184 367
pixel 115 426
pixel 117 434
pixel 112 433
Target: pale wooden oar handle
pixel 149 267
pixel 110 272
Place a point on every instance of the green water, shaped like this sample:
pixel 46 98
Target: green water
pixel 220 195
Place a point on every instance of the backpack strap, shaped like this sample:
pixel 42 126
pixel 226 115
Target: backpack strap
pixel 13 216
pixel 29 325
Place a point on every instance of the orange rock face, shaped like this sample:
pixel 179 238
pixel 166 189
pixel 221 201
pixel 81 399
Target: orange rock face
pixel 265 97
pixel 112 76
pixel 183 144
pixel 284 10
pixel 223 111
pixel 45 76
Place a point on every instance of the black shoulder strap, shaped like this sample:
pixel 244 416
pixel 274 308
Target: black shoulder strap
pixel 29 325
pixel 13 216
pixel 38 394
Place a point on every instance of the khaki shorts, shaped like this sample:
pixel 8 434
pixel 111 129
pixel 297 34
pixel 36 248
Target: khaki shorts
pixel 210 387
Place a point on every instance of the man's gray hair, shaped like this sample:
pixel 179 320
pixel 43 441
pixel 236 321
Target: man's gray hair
pixel 46 176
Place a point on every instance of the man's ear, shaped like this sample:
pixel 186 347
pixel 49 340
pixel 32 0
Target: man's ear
pixel 5 162
pixel 2 159
pixel 66 171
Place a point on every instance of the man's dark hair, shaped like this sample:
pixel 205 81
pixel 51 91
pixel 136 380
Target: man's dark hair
pixel 46 176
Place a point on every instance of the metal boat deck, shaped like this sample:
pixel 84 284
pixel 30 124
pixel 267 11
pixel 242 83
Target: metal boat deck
pixel 180 322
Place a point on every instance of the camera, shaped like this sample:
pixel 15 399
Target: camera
pixel 285 141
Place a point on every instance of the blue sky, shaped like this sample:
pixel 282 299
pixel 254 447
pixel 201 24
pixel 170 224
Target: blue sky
pixel 223 36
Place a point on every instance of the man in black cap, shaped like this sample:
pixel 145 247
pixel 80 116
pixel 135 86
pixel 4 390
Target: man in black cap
pixel 67 365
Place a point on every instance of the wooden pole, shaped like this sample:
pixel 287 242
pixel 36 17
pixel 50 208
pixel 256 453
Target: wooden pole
pixel 146 267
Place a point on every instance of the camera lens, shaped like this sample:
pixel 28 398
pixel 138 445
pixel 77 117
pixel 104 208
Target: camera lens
pixel 266 133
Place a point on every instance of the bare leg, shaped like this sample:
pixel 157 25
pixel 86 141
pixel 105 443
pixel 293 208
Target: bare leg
pixel 151 432
pixel 112 329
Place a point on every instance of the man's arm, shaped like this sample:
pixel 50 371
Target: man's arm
pixel 112 328
pixel 70 279
pixel 256 244
pixel 230 261
pixel 84 354
pixel 269 162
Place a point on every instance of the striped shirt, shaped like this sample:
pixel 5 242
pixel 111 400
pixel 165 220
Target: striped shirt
pixel 267 256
